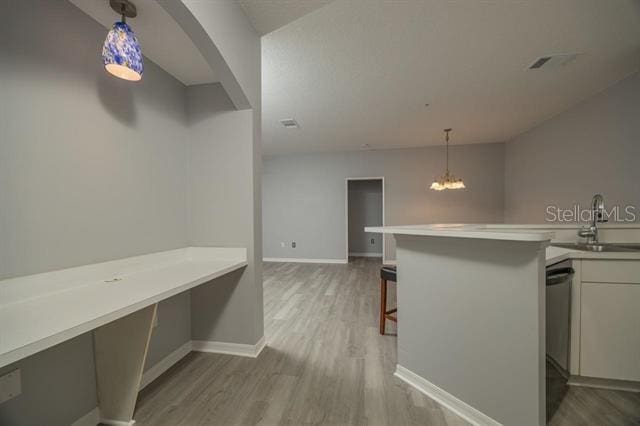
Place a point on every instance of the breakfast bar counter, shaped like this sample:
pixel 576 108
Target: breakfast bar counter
pixel 471 312
pixel 471 319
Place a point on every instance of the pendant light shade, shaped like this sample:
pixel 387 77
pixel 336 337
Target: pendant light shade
pixel 448 180
pixel 121 53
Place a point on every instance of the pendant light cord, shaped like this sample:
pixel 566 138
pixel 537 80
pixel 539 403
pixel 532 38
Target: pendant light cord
pixel 123 8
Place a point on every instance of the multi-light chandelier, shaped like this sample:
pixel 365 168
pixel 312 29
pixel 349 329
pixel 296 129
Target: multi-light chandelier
pixel 448 180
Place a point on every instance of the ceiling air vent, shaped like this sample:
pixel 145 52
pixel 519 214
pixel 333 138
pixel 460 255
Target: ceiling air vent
pixel 290 123
pixel 552 61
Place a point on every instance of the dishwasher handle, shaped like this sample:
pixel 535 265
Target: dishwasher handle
pixel 559 275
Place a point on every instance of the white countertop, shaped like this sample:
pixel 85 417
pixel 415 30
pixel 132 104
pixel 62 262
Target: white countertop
pixel 558 254
pixel 524 232
pixel 478 231
pixel 40 311
pixel 509 232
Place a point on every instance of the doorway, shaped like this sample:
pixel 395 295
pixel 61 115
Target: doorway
pixel 364 207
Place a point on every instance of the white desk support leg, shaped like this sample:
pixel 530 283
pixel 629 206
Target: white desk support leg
pixel 120 351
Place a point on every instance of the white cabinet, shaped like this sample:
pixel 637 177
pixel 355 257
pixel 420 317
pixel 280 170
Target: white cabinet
pixel 611 271
pixel 610 320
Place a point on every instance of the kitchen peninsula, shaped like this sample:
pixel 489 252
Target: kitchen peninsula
pixel 471 317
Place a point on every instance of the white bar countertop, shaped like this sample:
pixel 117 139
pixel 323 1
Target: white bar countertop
pixel 490 232
pixel 42 310
pixel 534 233
pixel 522 232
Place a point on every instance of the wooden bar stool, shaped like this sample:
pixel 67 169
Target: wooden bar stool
pixel 387 273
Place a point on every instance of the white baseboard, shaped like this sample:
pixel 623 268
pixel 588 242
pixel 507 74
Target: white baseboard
pixel 557 367
pixel 92 418
pixel 459 407
pixel 238 349
pixel 612 384
pixel 164 364
pixel 296 260
pixel 365 254
pixel 116 422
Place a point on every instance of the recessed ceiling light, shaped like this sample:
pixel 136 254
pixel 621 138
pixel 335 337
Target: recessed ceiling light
pixel 289 123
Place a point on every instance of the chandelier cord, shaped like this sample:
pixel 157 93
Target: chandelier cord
pixel 447 156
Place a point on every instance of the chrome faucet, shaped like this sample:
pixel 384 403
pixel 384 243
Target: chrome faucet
pixel 597 216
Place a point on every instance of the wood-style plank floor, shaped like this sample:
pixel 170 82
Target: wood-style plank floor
pixel 577 405
pixel 326 363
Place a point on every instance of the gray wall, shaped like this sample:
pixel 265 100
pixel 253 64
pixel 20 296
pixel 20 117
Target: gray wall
pixel 93 168
pixel 304 194
pixel 58 386
pixel 593 147
pixel 221 213
pixel 173 328
pixel 365 209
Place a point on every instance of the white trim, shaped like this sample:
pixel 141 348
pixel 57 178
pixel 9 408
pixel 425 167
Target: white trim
pixel 116 422
pixel 561 371
pixel 262 343
pixel 238 349
pixel 614 384
pixel 296 260
pixel 92 418
pixel 443 397
pixel 346 215
pixel 164 364
pixel 365 254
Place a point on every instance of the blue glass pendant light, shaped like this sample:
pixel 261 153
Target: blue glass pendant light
pixel 121 53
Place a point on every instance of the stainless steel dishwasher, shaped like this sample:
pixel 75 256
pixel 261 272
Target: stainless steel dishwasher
pixel 558 313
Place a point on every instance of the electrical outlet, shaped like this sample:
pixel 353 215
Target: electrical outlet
pixel 293 244
pixel 10 386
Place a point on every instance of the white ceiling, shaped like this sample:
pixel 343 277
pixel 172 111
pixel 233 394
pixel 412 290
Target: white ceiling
pixel 269 15
pixel 162 39
pixel 360 71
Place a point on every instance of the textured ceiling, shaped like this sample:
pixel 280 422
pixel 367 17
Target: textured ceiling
pixel 269 15
pixel 360 71
pixel 162 39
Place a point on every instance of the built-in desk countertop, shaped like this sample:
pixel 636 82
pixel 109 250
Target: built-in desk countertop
pixel 117 300
pixel 39 311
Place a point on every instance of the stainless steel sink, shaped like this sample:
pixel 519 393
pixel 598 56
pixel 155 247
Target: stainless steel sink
pixel 600 247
